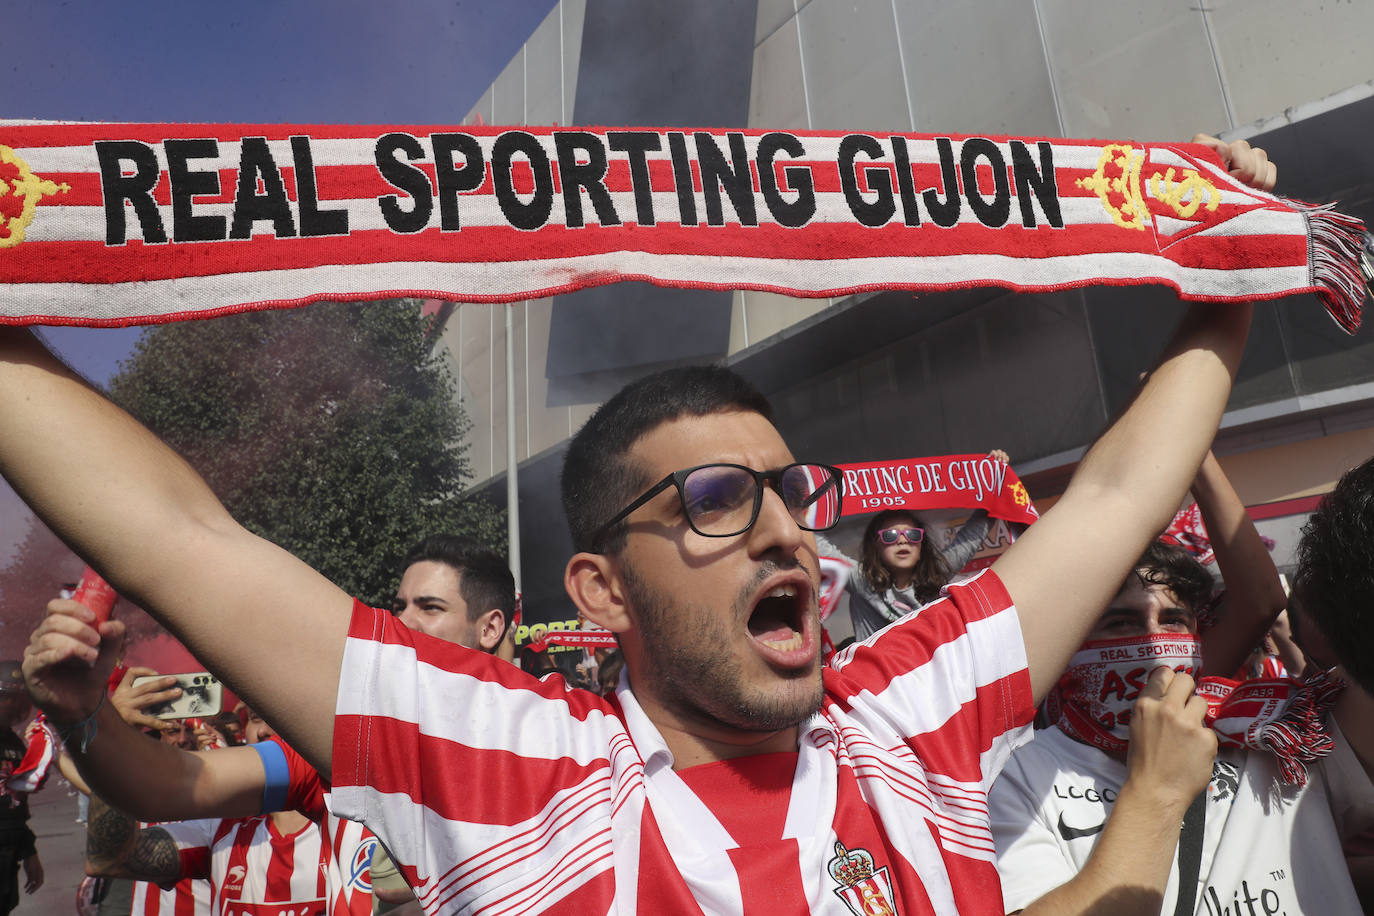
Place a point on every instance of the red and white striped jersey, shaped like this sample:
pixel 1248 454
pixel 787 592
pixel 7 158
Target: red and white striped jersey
pixel 348 845
pixel 188 897
pixel 254 869
pixel 501 794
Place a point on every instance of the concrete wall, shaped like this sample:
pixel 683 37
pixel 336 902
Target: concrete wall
pixel 1109 68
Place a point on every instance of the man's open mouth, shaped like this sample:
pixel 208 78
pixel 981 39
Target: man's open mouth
pixel 778 621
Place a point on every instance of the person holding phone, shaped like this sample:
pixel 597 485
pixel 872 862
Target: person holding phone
pixel 450 590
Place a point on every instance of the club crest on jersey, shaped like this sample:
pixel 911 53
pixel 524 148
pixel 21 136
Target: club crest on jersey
pixel 360 868
pixel 866 890
pixel 20 193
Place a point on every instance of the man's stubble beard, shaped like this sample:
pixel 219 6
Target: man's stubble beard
pixel 694 671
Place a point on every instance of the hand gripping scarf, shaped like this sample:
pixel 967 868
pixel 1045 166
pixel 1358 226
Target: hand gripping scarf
pixel 118 224
pixel 1280 716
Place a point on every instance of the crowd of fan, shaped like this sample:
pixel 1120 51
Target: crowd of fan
pixel 714 765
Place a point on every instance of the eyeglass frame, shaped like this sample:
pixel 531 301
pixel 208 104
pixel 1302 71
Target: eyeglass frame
pixel 902 533
pixel 761 481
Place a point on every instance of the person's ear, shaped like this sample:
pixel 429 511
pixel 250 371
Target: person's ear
pixel 490 628
pixel 594 584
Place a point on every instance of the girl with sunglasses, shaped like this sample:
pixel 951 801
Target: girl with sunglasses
pixel 900 568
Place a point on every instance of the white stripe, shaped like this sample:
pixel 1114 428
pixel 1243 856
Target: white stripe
pixel 931 692
pixel 423 693
pixel 528 852
pixel 136 301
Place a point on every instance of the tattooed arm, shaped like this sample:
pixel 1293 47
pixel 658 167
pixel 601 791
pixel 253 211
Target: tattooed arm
pixel 116 847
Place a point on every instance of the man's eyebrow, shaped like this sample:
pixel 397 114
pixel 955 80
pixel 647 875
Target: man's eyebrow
pixel 1119 612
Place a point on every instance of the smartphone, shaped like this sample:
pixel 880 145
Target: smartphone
pixel 201 695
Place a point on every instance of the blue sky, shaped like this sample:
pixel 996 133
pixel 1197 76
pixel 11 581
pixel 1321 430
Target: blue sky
pixel 299 61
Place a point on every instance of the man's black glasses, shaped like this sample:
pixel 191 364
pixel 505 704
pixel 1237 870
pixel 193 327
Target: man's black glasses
pixel 721 500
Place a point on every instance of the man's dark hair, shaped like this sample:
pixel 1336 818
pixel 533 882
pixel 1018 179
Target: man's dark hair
pixel 484 579
pixel 598 477
pixel 1177 570
pixel 1335 578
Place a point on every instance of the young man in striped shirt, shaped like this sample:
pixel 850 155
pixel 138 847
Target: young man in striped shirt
pixel 498 793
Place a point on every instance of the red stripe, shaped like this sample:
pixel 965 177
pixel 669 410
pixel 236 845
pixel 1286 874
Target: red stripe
pixel 662 889
pixel 770 878
pixel 1300 505
pixel 282 864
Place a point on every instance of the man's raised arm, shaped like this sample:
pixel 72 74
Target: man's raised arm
pixel 1070 564
pixel 148 523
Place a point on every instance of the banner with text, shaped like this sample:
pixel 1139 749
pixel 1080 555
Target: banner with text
pixel 116 224
pixel 948 482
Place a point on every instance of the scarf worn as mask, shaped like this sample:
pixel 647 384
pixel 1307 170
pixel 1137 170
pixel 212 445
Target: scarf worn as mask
pixel 1281 716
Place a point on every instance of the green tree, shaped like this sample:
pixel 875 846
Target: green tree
pixel 331 430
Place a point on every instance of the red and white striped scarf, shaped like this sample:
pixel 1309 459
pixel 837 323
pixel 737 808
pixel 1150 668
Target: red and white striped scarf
pixel 1281 716
pixel 116 224
pixel 32 770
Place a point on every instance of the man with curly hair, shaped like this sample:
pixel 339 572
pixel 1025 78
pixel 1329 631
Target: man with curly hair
pixel 1335 579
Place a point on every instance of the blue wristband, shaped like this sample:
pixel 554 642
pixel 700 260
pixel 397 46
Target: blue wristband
pixel 277 773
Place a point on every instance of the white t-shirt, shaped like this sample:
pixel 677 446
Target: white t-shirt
pixel 1267 848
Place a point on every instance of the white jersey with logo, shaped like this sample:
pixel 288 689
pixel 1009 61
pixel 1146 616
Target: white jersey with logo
pixel 254 869
pixel 348 845
pixel 1267 849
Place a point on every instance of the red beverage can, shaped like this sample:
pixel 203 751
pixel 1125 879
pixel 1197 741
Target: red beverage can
pixel 97 594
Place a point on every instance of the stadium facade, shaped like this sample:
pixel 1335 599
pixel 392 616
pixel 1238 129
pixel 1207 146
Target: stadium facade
pixel 892 375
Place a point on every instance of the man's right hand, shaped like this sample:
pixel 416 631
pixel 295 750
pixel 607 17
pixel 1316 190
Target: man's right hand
pixel 1171 750
pixel 68 661
pixel 132 700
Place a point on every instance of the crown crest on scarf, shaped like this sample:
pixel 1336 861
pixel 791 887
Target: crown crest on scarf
pixel 20 193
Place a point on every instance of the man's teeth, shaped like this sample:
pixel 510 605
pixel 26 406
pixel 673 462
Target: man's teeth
pixel 785 646
pixel 783 591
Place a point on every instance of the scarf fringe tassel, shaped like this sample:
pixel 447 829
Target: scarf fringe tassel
pixel 1334 260
pixel 1300 737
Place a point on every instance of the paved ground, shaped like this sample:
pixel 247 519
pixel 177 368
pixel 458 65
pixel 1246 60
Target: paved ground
pixel 61 848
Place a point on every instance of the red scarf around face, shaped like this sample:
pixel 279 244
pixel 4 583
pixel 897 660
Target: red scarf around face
pixel 1281 716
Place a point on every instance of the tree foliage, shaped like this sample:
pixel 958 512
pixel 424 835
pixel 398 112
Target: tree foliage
pixel 331 430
